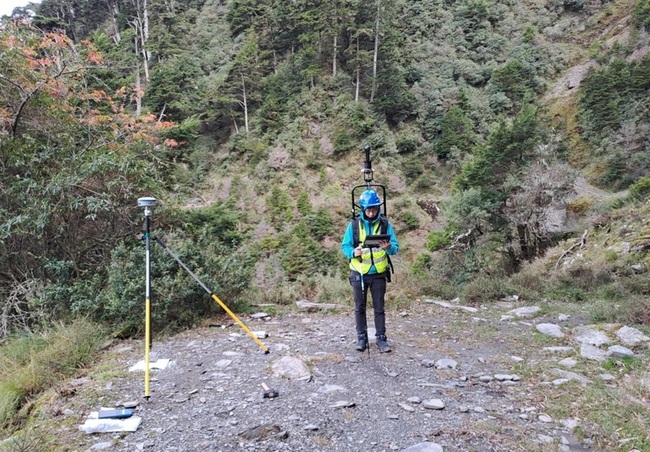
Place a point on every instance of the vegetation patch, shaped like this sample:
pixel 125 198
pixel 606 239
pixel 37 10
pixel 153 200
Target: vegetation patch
pixel 34 363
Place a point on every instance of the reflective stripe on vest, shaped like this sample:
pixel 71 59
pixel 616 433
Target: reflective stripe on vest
pixel 368 256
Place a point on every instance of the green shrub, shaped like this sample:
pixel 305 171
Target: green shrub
pixel 629 310
pixel 305 256
pixel 269 244
pixel 280 206
pixel 568 294
pixel 320 223
pixel 484 289
pixel 640 189
pixel 423 263
pixel 217 223
pixel 406 143
pixel 410 221
pixel 342 142
pixel 303 204
pixel 437 240
pixel 177 299
pixel 412 167
pixel 641 13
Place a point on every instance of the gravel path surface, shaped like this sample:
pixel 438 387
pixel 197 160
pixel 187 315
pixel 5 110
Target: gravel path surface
pixel 452 383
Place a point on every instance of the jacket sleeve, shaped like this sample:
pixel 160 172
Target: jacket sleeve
pixel 394 244
pixel 347 245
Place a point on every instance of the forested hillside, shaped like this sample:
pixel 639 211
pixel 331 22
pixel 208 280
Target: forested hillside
pixel 246 119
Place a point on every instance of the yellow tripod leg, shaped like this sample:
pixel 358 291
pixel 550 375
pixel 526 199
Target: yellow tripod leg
pixel 236 319
pixel 147 341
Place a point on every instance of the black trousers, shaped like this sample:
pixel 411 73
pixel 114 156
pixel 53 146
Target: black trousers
pixel 376 284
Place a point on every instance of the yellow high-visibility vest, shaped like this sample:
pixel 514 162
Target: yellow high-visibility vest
pixel 369 256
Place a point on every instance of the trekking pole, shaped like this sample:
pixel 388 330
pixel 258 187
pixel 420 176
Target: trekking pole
pixel 214 297
pixel 148 203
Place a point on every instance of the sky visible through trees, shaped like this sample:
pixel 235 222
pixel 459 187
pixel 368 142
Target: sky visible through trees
pixel 7 6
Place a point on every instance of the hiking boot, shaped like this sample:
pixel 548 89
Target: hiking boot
pixel 382 344
pixel 362 342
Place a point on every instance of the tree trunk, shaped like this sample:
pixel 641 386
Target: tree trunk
pixel 375 56
pixel 138 92
pixel 138 87
pixel 524 241
pixel 356 90
pixel 140 25
pixel 114 10
pixel 145 31
pixel 334 57
pixel 275 62
pixel 244 103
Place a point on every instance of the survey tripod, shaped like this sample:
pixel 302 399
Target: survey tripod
pixel 149 203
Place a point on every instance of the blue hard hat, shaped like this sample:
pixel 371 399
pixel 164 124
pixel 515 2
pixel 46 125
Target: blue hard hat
pixel 369 198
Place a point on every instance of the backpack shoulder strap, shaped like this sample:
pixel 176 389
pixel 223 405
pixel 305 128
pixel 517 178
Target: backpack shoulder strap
pixel 355 230
pixel 383 229
pixel 383 225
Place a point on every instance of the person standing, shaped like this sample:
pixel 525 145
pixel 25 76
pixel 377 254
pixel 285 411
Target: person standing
pixel 369 267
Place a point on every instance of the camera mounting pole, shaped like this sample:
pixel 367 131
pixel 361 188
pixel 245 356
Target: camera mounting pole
pixel 148 203
pixel 367 167
pixel 368 176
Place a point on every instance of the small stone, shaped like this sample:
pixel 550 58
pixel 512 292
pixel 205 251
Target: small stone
pixel 545 439
pixel 433 404
pixel 259 315
pixel 446 364
pixel 570 424
pixel 343 404
pixel 406 407
pixel 550 329
pixel 414 400
pixel 558 349
pixel 311 427
pixel 424 447
pixel 631 336
pixel 545 418
pixel 592 352
pixel 568 362
pixel 525 312
pixel 618 351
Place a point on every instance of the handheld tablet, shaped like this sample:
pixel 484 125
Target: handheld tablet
pixel 373 240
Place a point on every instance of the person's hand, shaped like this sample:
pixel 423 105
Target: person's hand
pixel 358 251
pixel 384 244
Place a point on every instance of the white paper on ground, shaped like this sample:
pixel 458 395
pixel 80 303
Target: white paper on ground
pixel 111 425
pixel 160 364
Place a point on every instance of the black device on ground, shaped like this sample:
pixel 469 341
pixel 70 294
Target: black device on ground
pixel 115 414
pixel 372 241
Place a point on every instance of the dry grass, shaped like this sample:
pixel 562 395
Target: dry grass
pixel 30 365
